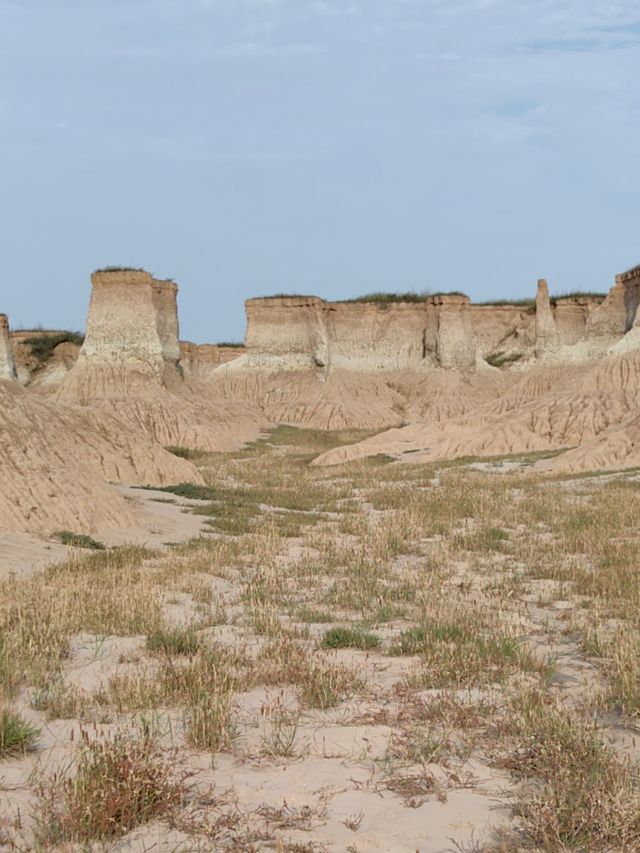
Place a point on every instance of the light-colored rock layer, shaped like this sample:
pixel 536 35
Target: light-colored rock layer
pixel 7 363
pixel 55 462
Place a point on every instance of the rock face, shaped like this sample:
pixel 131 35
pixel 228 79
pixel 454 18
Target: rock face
pixel 503 329
pixel 7 363
pixel 571 315
pixel 287 333
pixel 451 332
pixel 373 336
pixel 617 313
pixel 307 333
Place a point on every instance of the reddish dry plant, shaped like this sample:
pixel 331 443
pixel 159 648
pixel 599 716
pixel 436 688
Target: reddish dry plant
pixel 119 784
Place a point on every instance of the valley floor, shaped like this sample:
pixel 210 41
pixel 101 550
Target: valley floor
pixel 372 657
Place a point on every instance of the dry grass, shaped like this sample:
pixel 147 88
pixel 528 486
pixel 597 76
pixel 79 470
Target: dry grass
pixel 430 600
pixel 116 785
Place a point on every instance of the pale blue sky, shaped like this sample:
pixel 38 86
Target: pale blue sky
pixel 332 147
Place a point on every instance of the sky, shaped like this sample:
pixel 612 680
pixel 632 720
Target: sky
pixel 330 147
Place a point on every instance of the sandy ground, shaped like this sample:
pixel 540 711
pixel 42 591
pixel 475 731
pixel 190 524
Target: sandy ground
pixel 164 519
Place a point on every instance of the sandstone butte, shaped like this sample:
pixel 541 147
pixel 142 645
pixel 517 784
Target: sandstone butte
pixel 439 376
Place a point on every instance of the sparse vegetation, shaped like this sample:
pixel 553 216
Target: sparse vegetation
pixel 350 638
pixel 17 736
pixel 499 359
pixel 43 345
pixel 381 297
pixel 79 540
pixel 120 269
pixel 173 641
pixel 418 621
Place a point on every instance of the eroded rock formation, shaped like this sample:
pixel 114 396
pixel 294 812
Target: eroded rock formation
pixel 130 364
pixel 131 342
pixel 56 461
pixel 7 363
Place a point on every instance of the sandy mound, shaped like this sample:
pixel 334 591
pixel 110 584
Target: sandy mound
pixel 55 463
pixel 548 409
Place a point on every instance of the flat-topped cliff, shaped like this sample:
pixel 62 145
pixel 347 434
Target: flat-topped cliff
pixel 306 332
pixel 421 333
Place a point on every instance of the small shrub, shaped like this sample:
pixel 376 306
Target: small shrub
pixel 350 638
pixel 184 452
pixel 17 736
pixel 79 540
pixel 119 784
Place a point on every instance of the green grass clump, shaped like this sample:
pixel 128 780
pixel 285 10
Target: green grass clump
pixel 173 641
pixel 185 452
pixel 120 269
pixel 17 736
pixel 350 638
pixel 79 540
pixel 499 359
pixel 526 302
pixel 231 344
pixel 191 491
pixel 42 346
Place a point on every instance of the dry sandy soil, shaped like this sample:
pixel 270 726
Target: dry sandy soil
pixel 368 657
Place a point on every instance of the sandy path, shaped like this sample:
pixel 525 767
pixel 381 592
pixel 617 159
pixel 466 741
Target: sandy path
pixel 161 523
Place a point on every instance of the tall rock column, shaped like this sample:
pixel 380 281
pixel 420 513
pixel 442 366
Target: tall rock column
pixel 7 364
pixel 131 342
pixel 547 338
